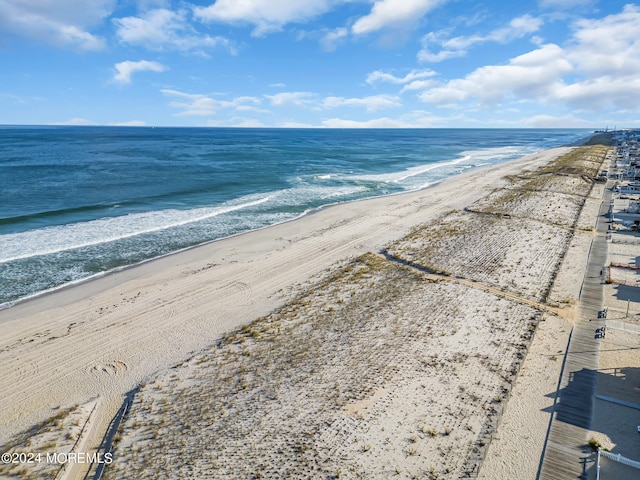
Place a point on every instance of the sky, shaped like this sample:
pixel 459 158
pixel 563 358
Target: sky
pixel 321 63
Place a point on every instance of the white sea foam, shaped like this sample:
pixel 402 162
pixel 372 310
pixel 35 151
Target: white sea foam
pixel 53 240
pixel 398 177
pixel 50 240
pixel 468 159
pixel 341 192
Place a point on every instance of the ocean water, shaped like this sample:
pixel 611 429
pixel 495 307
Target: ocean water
pixel 76 202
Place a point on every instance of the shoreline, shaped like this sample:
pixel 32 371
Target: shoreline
pixel 94 277
pixel 312 211
pixel 102 338
pixel 102 276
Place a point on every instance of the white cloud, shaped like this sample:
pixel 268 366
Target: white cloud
pixel 411 119
pixel 458 46
pixel 600 93
pixel 299 99
pixel 13 98
pixel 609 45
pixel 242 123
pixel 448 95
pixel 549 121
pixel 265 15
pixel 161 28
pixel 596 70
pixel 332 39
pixel 393 13
pixel 76 121
pixel 243 104
pixel 532 76
pixel 311 101
pixel 192 104
pixel 605 52
pixel 72 35
pixel 418 85
pixel 372 103
pixel 156 26
pixel 130 123
pixel 200 105
pixel 128 68
pixel 414 80
pixel 565 4
pixel 205 105
pixel 425 55
pixel 372 123
pixel 63 23
pixel 380 76
pixel 289 124
pixel 518 27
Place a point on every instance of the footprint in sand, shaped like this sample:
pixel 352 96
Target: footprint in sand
pixel 111 369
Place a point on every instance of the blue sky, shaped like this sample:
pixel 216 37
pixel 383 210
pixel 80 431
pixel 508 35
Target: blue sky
pixel 321 63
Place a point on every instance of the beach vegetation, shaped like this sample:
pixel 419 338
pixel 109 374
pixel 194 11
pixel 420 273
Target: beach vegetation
pixel 432 432
pixel 411 450
pixel 594 444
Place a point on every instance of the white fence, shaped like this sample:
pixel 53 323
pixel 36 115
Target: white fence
pixel 616 457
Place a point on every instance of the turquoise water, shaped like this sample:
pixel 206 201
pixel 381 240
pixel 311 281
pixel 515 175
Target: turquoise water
pixel 79 201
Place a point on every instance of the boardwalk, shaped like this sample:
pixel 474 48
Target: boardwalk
pixel 565 455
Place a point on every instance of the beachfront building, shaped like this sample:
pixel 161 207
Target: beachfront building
pixel 627 159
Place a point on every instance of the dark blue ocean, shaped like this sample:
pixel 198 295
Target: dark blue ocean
pixel 78 201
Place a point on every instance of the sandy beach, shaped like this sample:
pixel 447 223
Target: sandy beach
pixel 350 364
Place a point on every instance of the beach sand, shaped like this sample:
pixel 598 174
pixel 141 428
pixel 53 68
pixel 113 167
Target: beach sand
pixel 418 380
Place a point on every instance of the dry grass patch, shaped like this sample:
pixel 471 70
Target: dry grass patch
pixel 374 370
pixel 56 435
pixel 566 184
pixel 585 160
pixel 544 206
pixel 554 193
pixel 518 255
